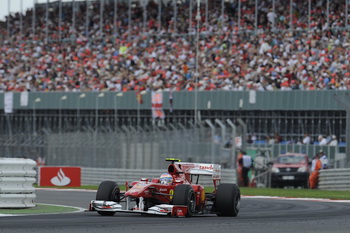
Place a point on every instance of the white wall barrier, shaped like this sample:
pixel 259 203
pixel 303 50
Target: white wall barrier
pixel 335 179
pixel 17 177
pixel 94 176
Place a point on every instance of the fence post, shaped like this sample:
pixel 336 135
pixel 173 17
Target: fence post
pixel 212 137
pixel 233 156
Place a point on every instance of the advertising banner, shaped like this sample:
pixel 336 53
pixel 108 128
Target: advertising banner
pixel 157 105
pixel 60 176
pixel 8 102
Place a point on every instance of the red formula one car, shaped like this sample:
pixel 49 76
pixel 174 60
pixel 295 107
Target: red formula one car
pixel 182 197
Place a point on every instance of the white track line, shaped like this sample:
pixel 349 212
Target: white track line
pixel 79 209
pixel 76 190
pixel 296 199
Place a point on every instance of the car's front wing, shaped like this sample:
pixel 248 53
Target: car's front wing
pixel 164 209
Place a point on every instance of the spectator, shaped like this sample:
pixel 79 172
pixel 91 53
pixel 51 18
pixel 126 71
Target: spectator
pixel 306 139
pixel 324 159
pixel 40 161
pixel 329 138
pixel 229 61
pixel 251 139
pixel 239 163
pixel 322 141
pixel 334 141
pixel 278 138
pixel 254 138
pixel 246 163
pixel 270 140
pixel 271 16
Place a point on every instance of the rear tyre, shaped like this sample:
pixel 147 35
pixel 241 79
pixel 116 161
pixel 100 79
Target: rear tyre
pixel 108 191
pixel 184 195
pixel 228 199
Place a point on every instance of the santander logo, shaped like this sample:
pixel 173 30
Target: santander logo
pixel 61 179
pixel 206 167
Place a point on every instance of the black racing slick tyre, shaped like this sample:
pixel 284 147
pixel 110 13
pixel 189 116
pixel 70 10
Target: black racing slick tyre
pixel 184 195
pixel 108 191
pixel 228 199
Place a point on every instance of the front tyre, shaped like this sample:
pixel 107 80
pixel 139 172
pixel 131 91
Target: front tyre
pixel 228 199
pixel 108 191
pixel 184 195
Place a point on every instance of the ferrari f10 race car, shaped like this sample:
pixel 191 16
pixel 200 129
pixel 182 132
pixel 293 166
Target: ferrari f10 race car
pixel 182 197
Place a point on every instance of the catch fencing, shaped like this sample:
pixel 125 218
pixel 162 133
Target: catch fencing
pixel 129 148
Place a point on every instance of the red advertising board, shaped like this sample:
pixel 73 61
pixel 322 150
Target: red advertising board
pixel 60 176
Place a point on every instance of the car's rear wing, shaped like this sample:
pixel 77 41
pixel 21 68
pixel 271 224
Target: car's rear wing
pixel 205 169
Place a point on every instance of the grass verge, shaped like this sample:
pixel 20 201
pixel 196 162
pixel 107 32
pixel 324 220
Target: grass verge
pixel 301 193
pixel 40 208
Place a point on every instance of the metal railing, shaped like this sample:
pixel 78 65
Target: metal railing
pixel 334 179
pixel 94 176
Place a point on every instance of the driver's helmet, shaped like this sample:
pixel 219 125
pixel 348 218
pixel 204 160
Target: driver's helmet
pixel 165 178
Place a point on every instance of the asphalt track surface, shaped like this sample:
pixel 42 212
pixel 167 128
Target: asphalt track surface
pixel 256 215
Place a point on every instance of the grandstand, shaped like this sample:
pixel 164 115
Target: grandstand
pixel 75 46
pixel 133 46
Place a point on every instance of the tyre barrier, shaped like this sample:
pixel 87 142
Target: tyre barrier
pixel 17 177
pixel 94 176
pixel 334 179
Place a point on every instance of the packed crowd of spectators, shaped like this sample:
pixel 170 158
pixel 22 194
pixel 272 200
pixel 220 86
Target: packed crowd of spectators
pixel 150 57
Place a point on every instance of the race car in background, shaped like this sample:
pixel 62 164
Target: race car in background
pixel 183 197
